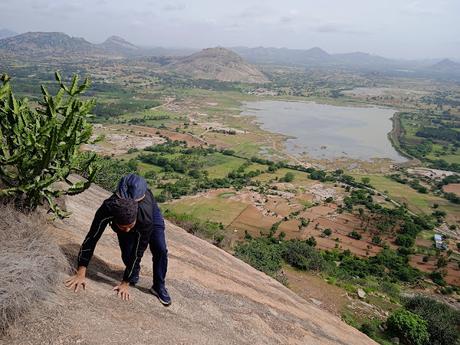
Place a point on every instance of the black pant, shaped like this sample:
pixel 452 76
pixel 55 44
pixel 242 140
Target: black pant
pixel 157 244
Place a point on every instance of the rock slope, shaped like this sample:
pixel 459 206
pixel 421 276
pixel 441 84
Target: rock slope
pixel 217 299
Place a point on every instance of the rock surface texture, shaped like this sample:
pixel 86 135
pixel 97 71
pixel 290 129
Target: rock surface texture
pixel 217 299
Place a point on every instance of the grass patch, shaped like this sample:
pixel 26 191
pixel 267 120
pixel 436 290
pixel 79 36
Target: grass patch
pixel 214 209
pixel 30 264
pixel 219 165
pixel 416 202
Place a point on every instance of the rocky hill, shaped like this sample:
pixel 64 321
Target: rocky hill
pixel 219 64
pixel 217 299
pixel 47 44
pixel 119 45
pixel 446 65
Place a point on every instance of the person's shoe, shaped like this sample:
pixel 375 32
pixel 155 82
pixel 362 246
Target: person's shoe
pixel 162 295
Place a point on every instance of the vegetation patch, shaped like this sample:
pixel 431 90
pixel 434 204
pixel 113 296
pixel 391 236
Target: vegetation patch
pixel 30 263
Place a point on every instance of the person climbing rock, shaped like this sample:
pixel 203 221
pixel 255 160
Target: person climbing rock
pixel 136 218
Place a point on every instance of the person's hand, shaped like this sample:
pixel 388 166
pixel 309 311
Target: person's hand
pixel 77 281
pixel 122 290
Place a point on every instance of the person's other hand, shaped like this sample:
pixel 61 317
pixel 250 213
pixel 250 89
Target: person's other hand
pixel 77 281
pixel 122 290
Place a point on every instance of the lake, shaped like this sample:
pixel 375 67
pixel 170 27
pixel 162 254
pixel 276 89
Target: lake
pixel 325 131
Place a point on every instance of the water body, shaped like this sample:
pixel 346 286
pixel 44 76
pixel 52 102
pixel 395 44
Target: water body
pixel 326 131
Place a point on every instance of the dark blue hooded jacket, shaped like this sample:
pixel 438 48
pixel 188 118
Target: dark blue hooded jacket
pixel 131 186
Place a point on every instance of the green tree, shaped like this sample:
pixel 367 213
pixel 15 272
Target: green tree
pixel 261 254
pixel 442 262
pixel 409 327
pixel 289 177
pixel 38 146
pixel 442 319
pixel 366 180
pixel 327 232
pixel 354 234
pixel 302 255
pixel 376 239
pixel 404 240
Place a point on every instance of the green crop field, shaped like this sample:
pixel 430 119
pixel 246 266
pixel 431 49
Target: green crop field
pixel 416 202
pixel 219 165
pixel 299 176
pixel 217 209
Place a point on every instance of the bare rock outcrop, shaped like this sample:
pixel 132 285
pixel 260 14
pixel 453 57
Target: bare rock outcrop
pixel 217 299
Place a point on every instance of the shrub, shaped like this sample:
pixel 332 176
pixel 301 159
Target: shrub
pixel 368 328
pixel 38 147
pixel 442 262
pixel 443 321
pixel 30 263
pixel 438 278
pixel 108 170
pixel 354 234
pixel 289 177
pixel 404 240
pixel 311 241
pixel 376 239
pixel 303 256
pixel 409 327
pixel 261 254
pixel 327 232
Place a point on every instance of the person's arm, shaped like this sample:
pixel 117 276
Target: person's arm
pixel 100 221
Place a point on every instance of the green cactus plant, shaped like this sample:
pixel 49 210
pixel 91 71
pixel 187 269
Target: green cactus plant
pixel 39 147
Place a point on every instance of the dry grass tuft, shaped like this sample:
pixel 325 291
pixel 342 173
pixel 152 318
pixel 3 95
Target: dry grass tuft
pixel 30 263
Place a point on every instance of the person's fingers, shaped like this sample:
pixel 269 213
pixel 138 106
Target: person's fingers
pixel 77 285
pixel 70 281
pixel 115 288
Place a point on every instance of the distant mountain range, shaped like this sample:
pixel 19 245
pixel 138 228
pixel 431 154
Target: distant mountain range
pixel 54 44
pixel 42 44
pixel 309 57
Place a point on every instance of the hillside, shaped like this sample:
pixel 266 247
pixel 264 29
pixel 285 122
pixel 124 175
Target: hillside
pixel 118 45
pixel 47 44
pixel 219 64
pixel 217 299
pixel 446 65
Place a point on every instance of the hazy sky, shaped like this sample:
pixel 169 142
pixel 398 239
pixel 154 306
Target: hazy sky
pixel 392 28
